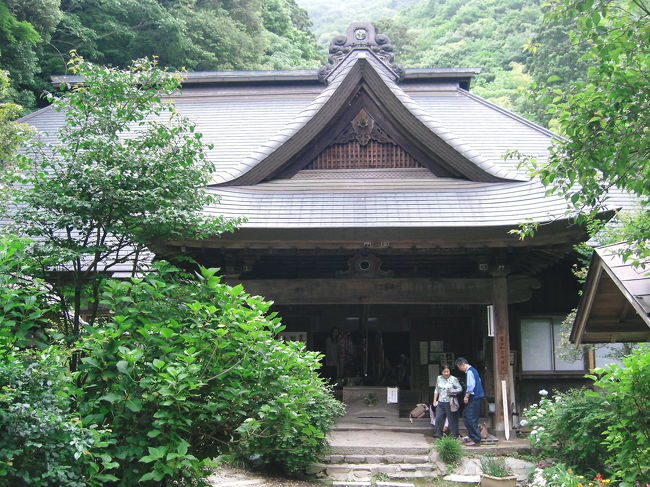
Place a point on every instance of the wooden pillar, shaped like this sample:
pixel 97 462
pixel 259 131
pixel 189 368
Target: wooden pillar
pixel 501 345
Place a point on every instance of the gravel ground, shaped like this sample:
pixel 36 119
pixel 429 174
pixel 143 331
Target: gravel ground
pixel 232 477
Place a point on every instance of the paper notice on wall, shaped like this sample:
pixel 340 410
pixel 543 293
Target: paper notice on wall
pixel 392 395
pixel 433 374
pixel 424 353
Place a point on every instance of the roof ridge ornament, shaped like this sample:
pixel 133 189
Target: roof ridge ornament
pixel 361 36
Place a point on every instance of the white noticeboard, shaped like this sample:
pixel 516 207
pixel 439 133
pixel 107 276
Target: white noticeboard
pixel 392 395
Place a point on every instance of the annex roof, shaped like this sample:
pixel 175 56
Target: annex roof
pixel 615 306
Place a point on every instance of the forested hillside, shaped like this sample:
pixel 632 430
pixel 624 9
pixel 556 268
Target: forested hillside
pixel 489 34
pixel 37 35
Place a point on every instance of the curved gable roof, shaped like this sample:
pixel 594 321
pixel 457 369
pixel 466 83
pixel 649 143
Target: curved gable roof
pixel 363 71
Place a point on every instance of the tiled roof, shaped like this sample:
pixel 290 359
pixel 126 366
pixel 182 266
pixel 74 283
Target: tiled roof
pixel 379 202
pixel 250 124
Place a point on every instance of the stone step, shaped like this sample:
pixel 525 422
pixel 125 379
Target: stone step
pixel 380 450
pixel 243 483
pixel 365 471
pixel 334 459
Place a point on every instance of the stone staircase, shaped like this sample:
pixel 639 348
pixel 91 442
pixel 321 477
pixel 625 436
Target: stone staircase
pixel 373 445
pixel 362 456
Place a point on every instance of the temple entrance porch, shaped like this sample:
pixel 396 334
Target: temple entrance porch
pixel 390 346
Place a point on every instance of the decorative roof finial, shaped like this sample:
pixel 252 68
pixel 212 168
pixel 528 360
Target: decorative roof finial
pixel 360 35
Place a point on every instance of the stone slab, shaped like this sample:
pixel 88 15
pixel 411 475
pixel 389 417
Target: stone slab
pixel 374 442
pixel 394 484
pixel 463 479
pixel 351 483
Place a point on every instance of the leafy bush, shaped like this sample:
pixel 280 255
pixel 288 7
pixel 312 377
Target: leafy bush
pixel 627 438
pixel 449 449
pixel 41 443
pixel 572 426
pixel 24 303
pixel 605 430
pixel 186 369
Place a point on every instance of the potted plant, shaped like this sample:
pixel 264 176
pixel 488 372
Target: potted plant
pixel 370 399
pixel 492 407
pixel 495 473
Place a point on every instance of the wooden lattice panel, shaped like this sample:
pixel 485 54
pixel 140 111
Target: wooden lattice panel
pixel 373 155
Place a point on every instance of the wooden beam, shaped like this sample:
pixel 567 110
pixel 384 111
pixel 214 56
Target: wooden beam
pixel 607 337
pixel 386 290
pixel 501 350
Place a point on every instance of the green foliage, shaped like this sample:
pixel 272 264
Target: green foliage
pixel 495 466
pixel 604 116
pixel 571 426
pixel 627 439
pixel 605 430
pixel 489 34
pixel 289 44
pixel 24 300
pixel 370 399
pixel 555 64
pixel 197 35
pixel 449 449
pixel 41 442
pixel 12 134
pixel 184 370
pixel 508 87
pixel 24 26
pixel 125 170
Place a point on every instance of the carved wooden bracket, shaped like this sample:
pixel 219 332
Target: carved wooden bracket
pixel 363 129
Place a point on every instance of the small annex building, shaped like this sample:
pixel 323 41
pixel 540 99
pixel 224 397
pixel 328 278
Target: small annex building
pixel 615 304
pixel 379 203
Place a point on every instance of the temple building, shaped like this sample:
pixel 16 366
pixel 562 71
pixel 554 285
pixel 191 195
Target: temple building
pixel 379 203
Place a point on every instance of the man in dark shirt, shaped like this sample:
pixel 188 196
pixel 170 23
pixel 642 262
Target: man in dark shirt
pixel 473 395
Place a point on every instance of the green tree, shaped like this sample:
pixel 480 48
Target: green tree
pixel 126 170
pixel 605 117
pixel 12 134
pixel 554 56
pixel 25 26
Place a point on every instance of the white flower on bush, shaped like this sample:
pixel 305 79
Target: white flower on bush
pixel 523 423
pixel 538 478
pixel 543 392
